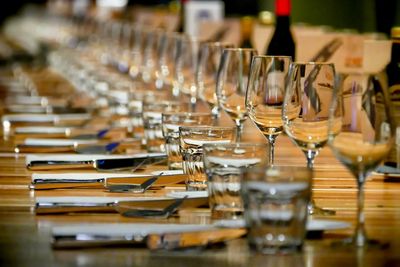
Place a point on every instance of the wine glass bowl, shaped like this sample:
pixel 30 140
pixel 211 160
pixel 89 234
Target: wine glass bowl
pixel 365 136
pixel 264 97
pixel 232 81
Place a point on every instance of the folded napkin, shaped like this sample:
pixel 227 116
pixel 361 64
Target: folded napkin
pixel 125 229
pixel 91 200
pixel 45 117
pixel 39 130
pixel 57 142
pixel 312 224
pixel 75 157
pixel 79 176
pixel 190 194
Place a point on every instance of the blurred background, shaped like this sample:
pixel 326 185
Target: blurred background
pixel 359 15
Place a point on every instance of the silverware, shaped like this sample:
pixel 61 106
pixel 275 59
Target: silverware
pixel 165 213
pixel 64 183
pixel 133 188
pixel 97 149
pixel 116 206
pixel 111 164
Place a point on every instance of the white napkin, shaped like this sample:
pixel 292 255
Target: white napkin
pixel 125 229
pixel 45 117
pixel 167 172
pixel 190 194
pixel 75 157
pixel 80 176
pixel 57 142
pixel 46 130
pixel 93 200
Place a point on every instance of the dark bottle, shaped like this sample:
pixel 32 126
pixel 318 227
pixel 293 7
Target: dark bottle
pixel 181 23
pixel 282 43
pixel 393 68
pixel 246 30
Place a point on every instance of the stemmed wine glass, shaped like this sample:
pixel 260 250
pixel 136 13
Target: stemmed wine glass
pixel 232 79
pixel 264 96
pixel 206 73
pixel 361 134
pixel 306 107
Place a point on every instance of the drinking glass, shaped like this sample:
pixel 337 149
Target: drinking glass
pixel 232 79
pixel 305 112
pixel 191 140
pixel 171 121
pixel 361 134
pixel 223 164
pixel 152 116
pixel 275 207
pixel 206 74
pixel 186 58
pixel 264 96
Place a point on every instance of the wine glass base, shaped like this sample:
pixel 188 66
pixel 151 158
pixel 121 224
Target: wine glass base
pixel 314 210
pixel 369 244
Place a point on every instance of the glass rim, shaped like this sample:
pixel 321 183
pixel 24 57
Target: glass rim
pixel 187 113
pixel 206 127
pixel 265 169
pixel 311 63
pixel 272 57
pixel 235 145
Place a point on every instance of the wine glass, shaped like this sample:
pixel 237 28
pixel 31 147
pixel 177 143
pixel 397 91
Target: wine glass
pixel 232 79
pixel 361 134
pixel 206 74
pixel 305 112
pixel 264 96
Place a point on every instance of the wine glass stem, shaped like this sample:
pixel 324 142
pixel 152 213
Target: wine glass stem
pixel 310 154
pixel 239 130
pixel 360 237
pixel 271 141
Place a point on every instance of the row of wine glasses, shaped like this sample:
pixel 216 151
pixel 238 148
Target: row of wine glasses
pixel 313 104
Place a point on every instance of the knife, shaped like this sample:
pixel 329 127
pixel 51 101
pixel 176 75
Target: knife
pixel 120 206
pixel 110 164
pixel 168 241
pixel 64 183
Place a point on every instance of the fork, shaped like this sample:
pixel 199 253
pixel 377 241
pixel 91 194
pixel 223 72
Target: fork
pixel 164 213
pixel 133 188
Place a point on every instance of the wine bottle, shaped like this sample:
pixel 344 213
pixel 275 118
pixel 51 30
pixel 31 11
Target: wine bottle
pixel 246 28
pixel 282 43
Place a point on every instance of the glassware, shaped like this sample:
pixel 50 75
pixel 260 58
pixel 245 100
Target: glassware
pixel 223 164
pixel 171 121
pixel 275 207
pixel 191 140
pixel 306 107
pixel 361 134
pixel 232 80
pixel 264 97
pixel 206 74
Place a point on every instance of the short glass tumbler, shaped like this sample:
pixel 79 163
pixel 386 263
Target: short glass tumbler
pixel 223 164
pixel 275 207
pixel 171 121
pixel 191 141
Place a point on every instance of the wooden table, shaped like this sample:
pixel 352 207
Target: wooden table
pixel 25 238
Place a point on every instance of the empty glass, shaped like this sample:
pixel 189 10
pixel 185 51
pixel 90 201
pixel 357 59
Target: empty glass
pixel 275 207
pixel 191 140
pixel 232 79
pixel 264 98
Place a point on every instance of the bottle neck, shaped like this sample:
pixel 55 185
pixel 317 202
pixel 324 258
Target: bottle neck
pixel 282 22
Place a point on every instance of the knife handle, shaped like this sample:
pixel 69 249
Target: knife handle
pixel 192 239
pixel 59 165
